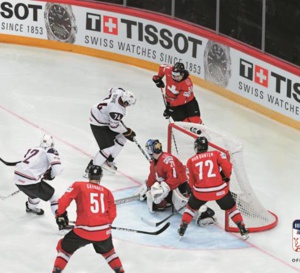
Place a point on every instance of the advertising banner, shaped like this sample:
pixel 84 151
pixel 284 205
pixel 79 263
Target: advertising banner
pixel 155 42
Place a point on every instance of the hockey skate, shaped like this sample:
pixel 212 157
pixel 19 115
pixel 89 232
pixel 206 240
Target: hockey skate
pixel 109 166
pixel 36 210
pixel 244 232
pixel 56 270
pixel 182 229
pixel 119 270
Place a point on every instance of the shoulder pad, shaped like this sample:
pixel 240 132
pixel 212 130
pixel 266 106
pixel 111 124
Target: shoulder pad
pixel 116 116
pixel 52 151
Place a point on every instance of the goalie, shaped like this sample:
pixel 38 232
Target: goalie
pixel 167 185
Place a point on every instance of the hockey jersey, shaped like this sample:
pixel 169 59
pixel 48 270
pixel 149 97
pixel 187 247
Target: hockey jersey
pixel 109 112
pixel 36 162
pixel 204 175
pixel 96 209
pixel 167 168
pixel 176 93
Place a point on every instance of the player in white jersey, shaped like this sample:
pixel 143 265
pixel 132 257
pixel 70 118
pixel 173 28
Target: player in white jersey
pixel 107 127
pixel 39 164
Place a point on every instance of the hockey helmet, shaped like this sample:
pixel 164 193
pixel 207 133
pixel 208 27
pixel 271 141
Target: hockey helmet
pixel 95 172
pixel 153 146
pixel 200 145
pixel 128 98
pixel 47 141
pixel 178 71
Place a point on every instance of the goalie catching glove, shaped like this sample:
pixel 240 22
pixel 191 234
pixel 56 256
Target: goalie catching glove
pixel 158 81
pixel 159 191
pixel 129 134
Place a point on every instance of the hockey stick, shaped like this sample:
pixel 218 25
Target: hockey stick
pixel 141 149
pixel 165 102
pixel 9 163
pixel 157 232
pixel 155 224
pixel 10 195
pixel 138 145
pixel 127 199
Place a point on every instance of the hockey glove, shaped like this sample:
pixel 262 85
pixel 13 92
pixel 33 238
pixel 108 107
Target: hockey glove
pixel 47 175
pixel 129 134
pixel 168 111
pixel 158 81
pixel 62 220
pixel 224 178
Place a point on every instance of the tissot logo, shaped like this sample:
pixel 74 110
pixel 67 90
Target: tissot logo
pixel 273 81
pixel 108 25
pixel 93 22
pixel 254 73
pixel 20 10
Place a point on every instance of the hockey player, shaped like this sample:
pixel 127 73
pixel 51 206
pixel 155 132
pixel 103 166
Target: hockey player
pixel 167 183
pixel 96 210
pixel 181 104
pixel 107 127
pixel 208 184
pixel 39 164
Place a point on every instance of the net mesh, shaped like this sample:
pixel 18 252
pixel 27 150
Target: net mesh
pixel 181 136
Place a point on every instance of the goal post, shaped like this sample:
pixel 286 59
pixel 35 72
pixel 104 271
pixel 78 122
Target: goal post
pixel 181 137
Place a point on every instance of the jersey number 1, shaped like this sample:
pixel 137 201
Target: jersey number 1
pixel 97 202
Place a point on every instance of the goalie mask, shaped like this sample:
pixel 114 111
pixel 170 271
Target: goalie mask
pixel 153 146
pixel 128 98
pixel 47 141
pixel 95 172
pixel 201 145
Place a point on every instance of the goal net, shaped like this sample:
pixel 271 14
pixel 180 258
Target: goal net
pixel 181 137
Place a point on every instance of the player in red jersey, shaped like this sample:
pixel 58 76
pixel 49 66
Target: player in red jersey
pixel 208 184
pixel 166 175
pixel 167 183
pixel 96 210
pixel 181 104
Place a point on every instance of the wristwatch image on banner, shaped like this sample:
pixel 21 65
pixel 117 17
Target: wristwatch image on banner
pixel 217 63
pixel 60 23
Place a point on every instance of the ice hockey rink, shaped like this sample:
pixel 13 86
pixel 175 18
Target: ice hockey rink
pixel 52 91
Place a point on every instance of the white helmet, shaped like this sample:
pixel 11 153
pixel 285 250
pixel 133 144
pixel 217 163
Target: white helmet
pixel 128 98
pixel 47 141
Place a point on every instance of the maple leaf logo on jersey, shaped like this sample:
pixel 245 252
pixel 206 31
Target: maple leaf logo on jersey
pixel 110 25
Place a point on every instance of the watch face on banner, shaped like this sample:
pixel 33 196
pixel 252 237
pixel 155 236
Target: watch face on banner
pixel 60 22
pixel 217 63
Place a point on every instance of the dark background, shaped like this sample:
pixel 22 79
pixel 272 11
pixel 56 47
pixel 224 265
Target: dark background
pixel 241 20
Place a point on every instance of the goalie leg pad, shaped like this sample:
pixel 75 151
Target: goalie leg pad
pixel 179 200
pixel 150 202
pixel 142 191
pixel 205 217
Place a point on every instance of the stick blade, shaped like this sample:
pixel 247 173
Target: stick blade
pixel 163 228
